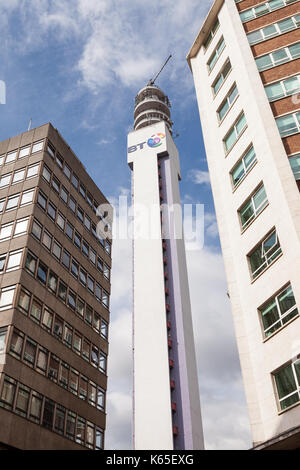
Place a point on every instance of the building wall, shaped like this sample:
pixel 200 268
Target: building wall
pixel 259 357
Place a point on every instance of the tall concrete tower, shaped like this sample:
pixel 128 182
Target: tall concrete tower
pixel 166 397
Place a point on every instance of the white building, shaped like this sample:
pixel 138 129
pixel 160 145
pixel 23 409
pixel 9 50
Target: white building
pixel 247 76
pixel 166 396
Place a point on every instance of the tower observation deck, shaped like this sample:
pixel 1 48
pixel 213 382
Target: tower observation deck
pixel 151 107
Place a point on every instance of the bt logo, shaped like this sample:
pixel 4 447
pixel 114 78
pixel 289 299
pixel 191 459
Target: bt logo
pixel 154 141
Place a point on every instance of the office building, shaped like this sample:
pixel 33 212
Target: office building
pixel 166 403
pixel 246 67
pixel 54 297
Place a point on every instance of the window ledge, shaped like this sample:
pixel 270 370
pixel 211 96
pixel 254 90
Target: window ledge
pixel 288 408
pixel 255 218
pixel 281 328
pixel 271 264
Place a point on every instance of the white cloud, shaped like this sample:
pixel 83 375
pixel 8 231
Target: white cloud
pixel 199 176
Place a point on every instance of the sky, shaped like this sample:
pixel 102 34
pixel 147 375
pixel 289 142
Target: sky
pixel 79 64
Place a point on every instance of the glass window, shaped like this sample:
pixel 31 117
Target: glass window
pixel 102 362
pixel 211 34
pixel 62 291
pixel 14 260
pixel 47 239
pixel 80 214
pixel 11 157
pixel 32 170
pixel 55 184
pixel 24 300
pixel 42 359
pixel 67 171
pixel 52 281
pixel 66 259
pixel 36 311
pixel 80 307
pixel 90 435
pixel 72 204
pixel 5 180
pixel 216 54
pixel 7 297
pixel 77 240
pixel 56 249
pixel 24 152
pixel 286 25
pixel 104 329
pixel 3 332
pixel 74 379
pixel 60 221
pixel 234 132
pixel 82 276
pixel 288 124
pixel 83 386
pixel 278 311
pixel 96 322
pixel 70 427
pixel 253 207
pixel 88 314
pixel 85 248
pixel 12 202
pixel 27 197
pixel 37 146
pixel 68 335
pixel 267 251
pixel 6 231
pixel 53 368
pixel 95 356
pixel 59 160
pixel 2 157
pixel 287 385
pixel 36 230
pixel 98 291
pixel 105 298
pixel 16 344
pixel 47 319
pixel 30 351
pixel 69 230
pixel 35 407
pixel 295 165
pixel 59 424
pixel 77 342
pixel 42 201
pixel 100 398
pixel 87 222
pixel 51 211
pixel 2 202
pixel 50 149
pixel 42 273
pixel 21 227
pixel 22 400
pixel 75 181
pixel 80 430
pixel 91 283
pixel 8 392
pixel 74 268
pixel 86 350
pixel 72 299
pixel 64 194
pixel 92 256
pixel 99 438
pixel 30 263
pixel 100 265
pixel 2 262
pixel 106 271
pixel 46 173
pixel 18 176
pixel 48 414
pixel 82 190
pixel 227 102
pixel 64 375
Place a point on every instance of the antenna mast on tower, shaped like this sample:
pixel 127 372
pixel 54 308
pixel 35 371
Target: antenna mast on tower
pixel 152 80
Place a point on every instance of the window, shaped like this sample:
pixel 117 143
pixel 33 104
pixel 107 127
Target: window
pixel 266 252
pixel 277 311
pixel 68 336
pixel 77 343
pixel 91 283
pixel 36 312
pixel 107 243
pixel 88 314
pixel 100 399
pixel 53 368
pixel 64 375
pixel 47 240
pixel 99 438
pixel 24 301
pixel 51 211
pixel 47 319
pixel 59 161
pixel 11 157
pixel 295 165
pixel 104 329
pixel 24 152
pixel 287 381
pixel 70 427
pixel 280 56
pixel 22 400
pixel 21 227
pixel 62 291
pixel 80 307
pixel 42 273
pixel 2 202
pixel 75 181
pixel 48 414
pixel 286 87
pixel 87 222
pixel 6 231
pixel 55 184
pixel 105 298
pixel 211 34
pixel 92 256
pixel 71 299
pixel 90 434
pixel 77 240
pixel 66 259
pixel 46 173
pixel 98 291
pixel 221 77
pixel 59 424
pixel 253 206
pixel 80 430
pixel 82 190
pixel 16 344
pixel 227 103
pixel 85 248
pixel 89 199
pixel 37 146
pixel 80 214
pixel 30 263
pixel 42 359
pixel 30 351
pixel 27 197
pixel 8 392
pixel 12 202
pixel 288 124
pixel 2 157
pixel 72 204
pixel 42 201
pixel 5 180
pixel 263 9
pixel 74 268
pixel 14 260
pixel 52 281
pixel 64 194
pixel 60 221
pixel 83 276
pixel 3 332
pixel 50 149
pixel 74 379
pixel 95 356
pixel 69 230
pixel 86 350
pixel 96 322
pixel 234 133
pixel 56 249
pixel 7 297
pixel 216 54
pixel 35 407
pixel 2 262
pixel 288 24
pixel 67 171
pixel 83 386
pixel 102 362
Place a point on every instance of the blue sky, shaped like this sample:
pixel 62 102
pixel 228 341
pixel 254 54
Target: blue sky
pixel 79 65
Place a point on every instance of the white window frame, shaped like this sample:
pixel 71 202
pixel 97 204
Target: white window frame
pixel 278 31
pixel 285 93
pixel 281 316
pixel 286 2
pixel 256 211
pixel 275 64
pixel 297 126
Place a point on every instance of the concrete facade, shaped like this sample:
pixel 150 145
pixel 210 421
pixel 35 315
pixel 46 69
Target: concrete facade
pixel 260 357
pixel 52 390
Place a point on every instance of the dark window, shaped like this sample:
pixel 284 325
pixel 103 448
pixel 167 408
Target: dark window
pixel 59 160
pixel 82 190
pixel 88 314
pixel 53 368
pixel 30 351
pixel 42 201
pixel 67 171
pixel 42 272
pixel 48 414
pixel 59 424
pixel 85 248
pixel 77 240
pixel 52 281
pixel 70 429
pixel 66 259
pixel 51 211
pixel 80 214
pixel 56 249
pixel 69 230
pixel 72 299
pixel 50 149
pixel 64 194
pixel 75 181
pixel 46 173
pixel 24 300
pixel 58 326
pixel 30 263
pixel 74 268
pixel 36 310
pixel 55 184
pixel 72 204
pixel 62 291
pixel 82 276
pixel 36 230
pixel 91 283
